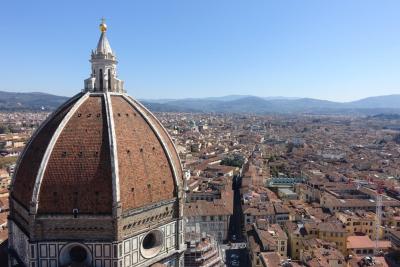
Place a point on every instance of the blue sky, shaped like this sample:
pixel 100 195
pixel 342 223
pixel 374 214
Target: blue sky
pixel 337 50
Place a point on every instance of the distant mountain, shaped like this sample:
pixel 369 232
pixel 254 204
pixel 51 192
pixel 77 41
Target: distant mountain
pixel 29 101
pixel 387 101
pixel 227 98
pixel 226 104
pixel 166 107
pixel 280 98
pixel 217 98
pixel 262 105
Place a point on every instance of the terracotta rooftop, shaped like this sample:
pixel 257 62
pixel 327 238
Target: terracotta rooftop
pixel 223 206
pixel 360 242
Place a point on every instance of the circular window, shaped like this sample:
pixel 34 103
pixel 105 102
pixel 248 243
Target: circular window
pixel 152 244
pixel 77 254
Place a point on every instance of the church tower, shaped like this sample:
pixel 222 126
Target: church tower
pixel 99 183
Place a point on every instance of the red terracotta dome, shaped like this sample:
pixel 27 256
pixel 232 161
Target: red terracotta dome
pixel 98 150
pixel 99 183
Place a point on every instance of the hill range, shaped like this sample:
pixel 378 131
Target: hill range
pixel 10 101
pixel 277 105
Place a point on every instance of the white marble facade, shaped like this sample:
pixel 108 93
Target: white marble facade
pixel 117 254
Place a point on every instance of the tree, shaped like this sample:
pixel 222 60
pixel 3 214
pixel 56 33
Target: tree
pixel 4 129
pixel 235 160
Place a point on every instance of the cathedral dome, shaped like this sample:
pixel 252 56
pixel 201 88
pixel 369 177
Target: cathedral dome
pixel 97 150
pixel 99 183
pixel 100 150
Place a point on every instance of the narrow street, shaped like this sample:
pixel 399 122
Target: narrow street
pixel 235 224
pixel 237 255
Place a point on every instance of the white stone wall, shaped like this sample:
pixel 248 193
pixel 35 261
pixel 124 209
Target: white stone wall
pixel 129 249
pixel 18 241
pixel 47 254
pixel 123 254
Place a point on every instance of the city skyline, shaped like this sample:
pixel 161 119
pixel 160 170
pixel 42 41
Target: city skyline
pixel 107 179
pixel 340 51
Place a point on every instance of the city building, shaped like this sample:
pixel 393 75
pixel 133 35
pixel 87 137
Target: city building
pixel 264 237
pixel 358 222
pixel 350 198
pixel 211 214
pixel 394 238
pixel 316 252
pixel 274 259
pixel 299 234
pixel 202 252
pixel 364 246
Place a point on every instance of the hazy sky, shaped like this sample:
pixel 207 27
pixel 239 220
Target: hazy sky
pixel 336 50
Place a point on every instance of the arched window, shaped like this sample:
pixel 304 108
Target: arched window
pixel 101 79
pixel 109 79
